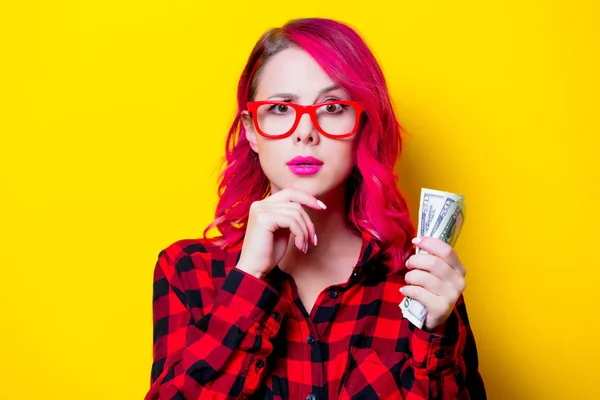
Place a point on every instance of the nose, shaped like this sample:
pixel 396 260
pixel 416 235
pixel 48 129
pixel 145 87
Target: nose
pixel 305 131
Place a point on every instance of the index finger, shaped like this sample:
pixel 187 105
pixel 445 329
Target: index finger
pixel 440 249
pixel 299 197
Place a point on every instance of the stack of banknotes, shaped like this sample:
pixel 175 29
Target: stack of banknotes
pixel 441 215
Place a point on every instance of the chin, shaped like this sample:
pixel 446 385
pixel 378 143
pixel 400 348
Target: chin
pixel 310 186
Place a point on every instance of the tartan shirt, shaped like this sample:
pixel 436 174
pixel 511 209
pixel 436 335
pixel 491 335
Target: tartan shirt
pixel 220 333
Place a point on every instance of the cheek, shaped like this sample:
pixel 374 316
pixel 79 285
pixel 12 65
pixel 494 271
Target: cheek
pixel 343 168
pixel 271 158
pixel 342 159
pixel 340 163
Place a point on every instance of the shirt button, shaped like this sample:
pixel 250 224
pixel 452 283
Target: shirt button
pixel 440 354
pixel 355 274
pixel 311 397
pixel 310 340
pixel 333 294
pixel 260 364
pixel 276 317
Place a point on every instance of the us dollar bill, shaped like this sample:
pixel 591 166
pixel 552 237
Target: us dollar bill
pixel 441 215
pixel 450 227
pixel 431 202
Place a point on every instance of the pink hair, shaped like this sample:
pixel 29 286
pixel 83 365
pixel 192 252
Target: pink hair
pixel 374 202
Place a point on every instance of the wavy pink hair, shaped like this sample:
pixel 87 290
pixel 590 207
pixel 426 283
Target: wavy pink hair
pixel 374 203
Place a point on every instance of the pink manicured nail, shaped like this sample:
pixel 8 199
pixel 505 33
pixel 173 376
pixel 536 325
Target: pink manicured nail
pixel 315 241
pixel 416 240
pixel 321 204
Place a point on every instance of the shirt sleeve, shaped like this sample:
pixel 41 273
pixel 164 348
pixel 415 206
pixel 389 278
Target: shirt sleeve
pixel 445 367
pixel 221 355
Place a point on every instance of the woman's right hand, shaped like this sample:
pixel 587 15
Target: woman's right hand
pixel 270 223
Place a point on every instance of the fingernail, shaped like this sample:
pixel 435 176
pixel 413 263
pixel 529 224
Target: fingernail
pixel 406 264
pixel 305 247
pixel 402 290
pixel 416 240
pixel 321 204
pixel 315 241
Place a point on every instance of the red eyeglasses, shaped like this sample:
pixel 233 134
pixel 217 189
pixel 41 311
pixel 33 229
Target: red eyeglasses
pixel 278 119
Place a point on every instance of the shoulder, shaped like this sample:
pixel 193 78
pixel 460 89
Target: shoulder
pixel 196 255
pixel 193 271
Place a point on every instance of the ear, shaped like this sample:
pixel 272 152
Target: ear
pixel 250 132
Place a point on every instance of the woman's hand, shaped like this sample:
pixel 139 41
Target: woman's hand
pixel 270 223
pixel 436 280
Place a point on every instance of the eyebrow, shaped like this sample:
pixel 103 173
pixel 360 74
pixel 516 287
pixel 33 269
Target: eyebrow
pixel 293 96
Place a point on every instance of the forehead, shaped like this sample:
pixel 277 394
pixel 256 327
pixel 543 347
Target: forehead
pixel 292 70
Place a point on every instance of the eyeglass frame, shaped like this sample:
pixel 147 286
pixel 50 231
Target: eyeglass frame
pixel 300 111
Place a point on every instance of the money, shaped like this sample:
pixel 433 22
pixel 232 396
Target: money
pixel 431 202
pixel 441 215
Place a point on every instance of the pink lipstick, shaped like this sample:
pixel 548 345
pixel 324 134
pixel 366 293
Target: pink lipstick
pixel 305 165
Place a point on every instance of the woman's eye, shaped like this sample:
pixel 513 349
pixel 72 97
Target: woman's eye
pixel 279 108
pixel 333 108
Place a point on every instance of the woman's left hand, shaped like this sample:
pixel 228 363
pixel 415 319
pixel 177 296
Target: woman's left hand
pixel 436 280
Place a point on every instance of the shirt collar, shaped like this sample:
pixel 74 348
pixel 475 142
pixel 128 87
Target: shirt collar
pixel 369 251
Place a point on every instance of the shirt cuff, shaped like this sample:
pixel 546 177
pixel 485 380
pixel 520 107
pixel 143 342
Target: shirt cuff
pixel 253 298
pixel 432 353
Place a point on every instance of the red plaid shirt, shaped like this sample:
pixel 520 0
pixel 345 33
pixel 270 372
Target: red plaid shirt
pixel 220 333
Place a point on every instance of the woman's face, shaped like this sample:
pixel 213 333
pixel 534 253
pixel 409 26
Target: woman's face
pixel 293 75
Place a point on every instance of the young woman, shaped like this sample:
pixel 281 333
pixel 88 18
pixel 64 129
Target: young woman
pixel 299 296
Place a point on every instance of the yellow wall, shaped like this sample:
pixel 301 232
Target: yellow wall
pixel 112 122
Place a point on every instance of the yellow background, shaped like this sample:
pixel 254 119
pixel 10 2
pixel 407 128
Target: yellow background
pixel 112 122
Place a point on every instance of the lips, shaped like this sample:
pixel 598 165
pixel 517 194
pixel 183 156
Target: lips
pixel 304 169
pixel 307 161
